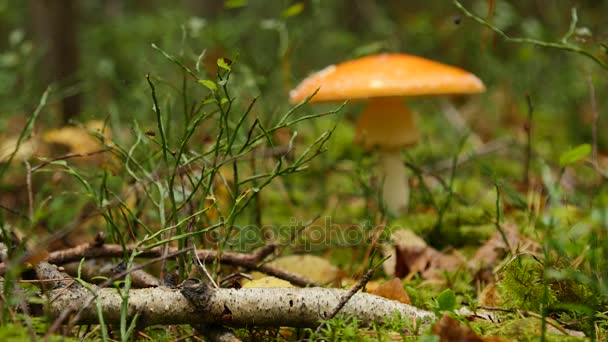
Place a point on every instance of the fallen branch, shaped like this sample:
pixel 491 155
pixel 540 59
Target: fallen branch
pixel 93 251
pixel 248 261
pixel 296 307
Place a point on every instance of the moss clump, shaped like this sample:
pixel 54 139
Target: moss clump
pixel 522 285
pixel 526 329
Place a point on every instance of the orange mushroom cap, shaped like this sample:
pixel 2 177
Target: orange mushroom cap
pixel 383 75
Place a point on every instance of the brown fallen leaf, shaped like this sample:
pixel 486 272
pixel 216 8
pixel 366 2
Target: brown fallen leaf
pixel 392 289
pixel 404 237
pixel 493 250
pixel 489 296
pixel 449 330
pixel 412 255
pixel 430 263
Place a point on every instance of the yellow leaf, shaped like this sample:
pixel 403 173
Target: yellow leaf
pixel 312 267
pixel 82 141
pixel 267 282
pixel 26 150
pixel 79 139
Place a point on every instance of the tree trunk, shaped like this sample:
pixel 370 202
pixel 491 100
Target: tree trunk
pixel 54 24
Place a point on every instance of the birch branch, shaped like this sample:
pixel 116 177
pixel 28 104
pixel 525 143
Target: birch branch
pixel 296 307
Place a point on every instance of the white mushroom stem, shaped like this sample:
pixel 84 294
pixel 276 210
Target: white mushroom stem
pixel 396 190
pixel 388 125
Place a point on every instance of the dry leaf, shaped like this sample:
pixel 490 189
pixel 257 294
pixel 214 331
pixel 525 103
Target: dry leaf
pixel 449 330
pixel 312 267
pixel 267 282
pixel 489 296
pixel 412 255
pixel 392 289
pixel 403 237
pixel 80 140
pixel 27 149
pixel 492 251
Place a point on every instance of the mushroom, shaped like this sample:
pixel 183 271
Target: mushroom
pixel 386 123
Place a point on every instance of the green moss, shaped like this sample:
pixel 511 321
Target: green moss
pixel 18 333
pixel 566 297
pixel 527 329
pixel 522 285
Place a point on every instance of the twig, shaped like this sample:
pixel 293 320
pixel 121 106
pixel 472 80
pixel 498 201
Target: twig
pixel 201 266
pixel 40 281
pixel 529 128
pixel 563 45
pixel 553 322
pixel 499 227
pixel 465 157
pixel 69 156
pixel 90 250
pixel 14 212
pixel 30 194
pixel 596 118
pixel 247 261
pixel 594 129
pixel 360 284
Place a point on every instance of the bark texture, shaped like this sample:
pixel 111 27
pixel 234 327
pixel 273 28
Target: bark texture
pixel 297 307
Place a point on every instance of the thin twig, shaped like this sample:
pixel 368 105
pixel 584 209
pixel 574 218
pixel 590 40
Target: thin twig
pixel 14 212
pixel 40 281
pixel 465 157
pixel 201 266
pixel 28 184
pixel 596 117
pixel 248 261
pixel 69 156
pixel 563 45
pixel 91 250
pixel 529 128
pixel 360 284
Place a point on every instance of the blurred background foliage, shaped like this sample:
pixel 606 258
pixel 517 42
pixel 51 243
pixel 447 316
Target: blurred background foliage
pixel 101 74
pixel 277 43
pixel 280 42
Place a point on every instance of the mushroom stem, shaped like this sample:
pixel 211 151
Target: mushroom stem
pixel 396 191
